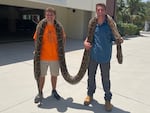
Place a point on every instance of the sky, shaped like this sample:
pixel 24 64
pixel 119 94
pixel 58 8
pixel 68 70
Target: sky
pixel 145 0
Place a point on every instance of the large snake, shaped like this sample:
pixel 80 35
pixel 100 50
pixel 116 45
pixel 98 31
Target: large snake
pixel 85 60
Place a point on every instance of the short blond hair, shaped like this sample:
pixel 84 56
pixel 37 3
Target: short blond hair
pixel 50 9
pixel 101 4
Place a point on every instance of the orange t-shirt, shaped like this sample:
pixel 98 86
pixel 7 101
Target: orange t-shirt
pixel 49 44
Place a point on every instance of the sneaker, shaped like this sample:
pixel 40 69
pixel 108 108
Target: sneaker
pixel 88 100
pixel 108 106
pixel 55 94
pixel 38 98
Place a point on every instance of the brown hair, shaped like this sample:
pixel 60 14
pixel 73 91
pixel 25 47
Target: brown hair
pixel 50 9
pixel 101 4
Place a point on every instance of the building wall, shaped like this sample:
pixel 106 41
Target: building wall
pixel 73 14
pixel 77 23
pixel 77 4
pixel 74 21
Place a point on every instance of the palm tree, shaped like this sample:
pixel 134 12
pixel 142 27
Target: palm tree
pixel 131 11
pixel 147 10
pixel 136 11
pixel 122 13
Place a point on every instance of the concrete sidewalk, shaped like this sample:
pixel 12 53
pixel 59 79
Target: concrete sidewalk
pixel 130 80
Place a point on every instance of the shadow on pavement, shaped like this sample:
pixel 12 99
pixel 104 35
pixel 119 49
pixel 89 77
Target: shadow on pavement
pixel 64 104
pixel 22 51
pixel 73 44
pixel 16 52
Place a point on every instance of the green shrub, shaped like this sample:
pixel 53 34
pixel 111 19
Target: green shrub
pixel 128 29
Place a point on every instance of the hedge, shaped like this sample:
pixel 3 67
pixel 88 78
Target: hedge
pixel 128 29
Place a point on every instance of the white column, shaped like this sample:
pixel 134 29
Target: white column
pixel 146 27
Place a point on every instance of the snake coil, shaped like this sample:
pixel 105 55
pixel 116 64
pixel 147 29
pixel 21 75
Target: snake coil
pixel 85 59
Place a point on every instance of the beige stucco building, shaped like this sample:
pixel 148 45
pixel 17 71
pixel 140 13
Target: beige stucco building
pixel 73 14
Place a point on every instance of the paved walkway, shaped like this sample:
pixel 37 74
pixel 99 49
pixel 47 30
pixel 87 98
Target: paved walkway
pixel 130 80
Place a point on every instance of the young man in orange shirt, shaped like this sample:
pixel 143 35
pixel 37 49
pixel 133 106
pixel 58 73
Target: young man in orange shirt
pixel 48 52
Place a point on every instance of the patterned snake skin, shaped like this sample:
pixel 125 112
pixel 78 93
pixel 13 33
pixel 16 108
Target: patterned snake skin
pixel 85 60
